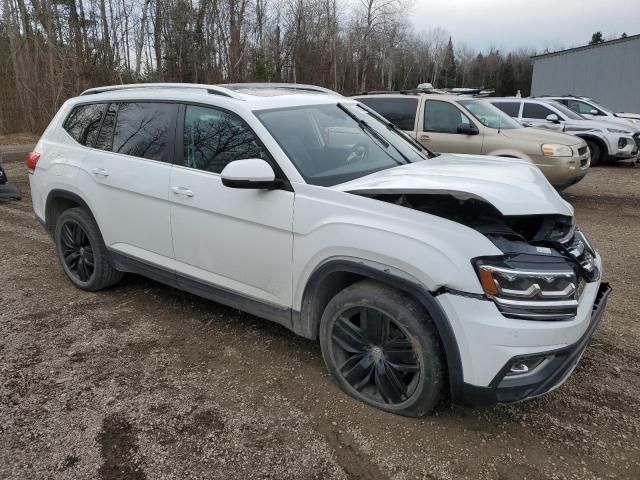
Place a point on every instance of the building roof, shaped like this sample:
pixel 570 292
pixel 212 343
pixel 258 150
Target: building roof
pixel 588 47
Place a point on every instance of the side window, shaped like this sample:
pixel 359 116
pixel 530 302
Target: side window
pixel 581 107
pixel 535 110
pixel 213 138
pixel 145 130
pixel 510 108
pixel 84 121
pixel 401 111
pixel 105 137
pixel 443 117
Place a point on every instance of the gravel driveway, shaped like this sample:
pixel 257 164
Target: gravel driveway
pixel 146 382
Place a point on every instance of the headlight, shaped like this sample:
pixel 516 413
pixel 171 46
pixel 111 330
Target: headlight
pixel 534 294
pixel 616 130
pixel 554 150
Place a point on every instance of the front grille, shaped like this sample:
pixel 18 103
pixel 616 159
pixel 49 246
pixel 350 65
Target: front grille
pixel 582 151
pixel 636 137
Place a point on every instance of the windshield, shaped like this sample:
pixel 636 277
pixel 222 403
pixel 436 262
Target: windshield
pixel 600 106
pixel 566 111
pixel 489 115
pixel 334 143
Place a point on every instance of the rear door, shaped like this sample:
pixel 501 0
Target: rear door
pixel 127 177
pixel 440 122
pixel 235 240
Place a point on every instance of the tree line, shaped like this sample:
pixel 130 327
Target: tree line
pixel 51 50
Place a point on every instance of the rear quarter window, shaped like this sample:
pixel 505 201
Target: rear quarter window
pixel 401 111
pixel 84 121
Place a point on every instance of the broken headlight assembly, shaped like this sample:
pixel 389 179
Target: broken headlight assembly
pixel 549 293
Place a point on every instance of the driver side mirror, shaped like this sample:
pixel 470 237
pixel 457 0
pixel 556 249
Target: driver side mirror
pixel 252 173
pixel 552 117
pixel 594 112
pixel 467 129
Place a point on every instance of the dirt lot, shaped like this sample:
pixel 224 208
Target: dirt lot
pixel 146 382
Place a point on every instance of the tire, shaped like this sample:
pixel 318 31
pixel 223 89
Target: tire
pixel 82 252
pixel 596 152
pixel 369 370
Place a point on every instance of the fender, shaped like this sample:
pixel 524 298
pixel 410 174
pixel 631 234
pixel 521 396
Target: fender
pixel 307 324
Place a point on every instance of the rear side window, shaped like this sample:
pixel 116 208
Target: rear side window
pixel 510 108
pixel 443 117
pixel 401 111
pixel 213 138
pixel 84 121
pixel 535 110
pixel 145 130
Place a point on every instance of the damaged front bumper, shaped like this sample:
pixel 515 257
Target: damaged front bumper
pixel 554 368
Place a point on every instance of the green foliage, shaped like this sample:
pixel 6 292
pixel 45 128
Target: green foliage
pixel 262 68
pixel 449 67
pixel 596 38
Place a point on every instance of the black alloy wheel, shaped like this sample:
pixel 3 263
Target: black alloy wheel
pixel 381 347
pixel 375 355
pixel 82 252
pixel 77 251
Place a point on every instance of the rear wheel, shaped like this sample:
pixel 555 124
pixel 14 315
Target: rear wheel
pixel 595 151
pixel 381 347
pixel 82 251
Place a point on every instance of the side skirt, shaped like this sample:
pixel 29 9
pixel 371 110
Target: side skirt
pixel 274 313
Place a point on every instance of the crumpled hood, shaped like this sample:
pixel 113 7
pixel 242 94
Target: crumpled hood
pixel 514 187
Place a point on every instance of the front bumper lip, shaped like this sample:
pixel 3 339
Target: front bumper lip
pixel 554 372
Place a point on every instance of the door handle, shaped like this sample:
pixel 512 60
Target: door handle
pixel 100 172
pixel 425 138
pixel 182 191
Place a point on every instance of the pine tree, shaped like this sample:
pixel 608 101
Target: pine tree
pixel 449 67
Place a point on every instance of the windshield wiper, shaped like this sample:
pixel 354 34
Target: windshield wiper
pixel 399 131
pixel 364 125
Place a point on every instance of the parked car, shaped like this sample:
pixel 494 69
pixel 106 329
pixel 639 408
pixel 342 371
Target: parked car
pixel 592 110
pixel 606 141
pixel 7 191
pixel 416 272
pixel 454 124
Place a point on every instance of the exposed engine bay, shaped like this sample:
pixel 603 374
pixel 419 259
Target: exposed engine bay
pixel 527 239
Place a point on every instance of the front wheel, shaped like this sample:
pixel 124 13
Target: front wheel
pixel 381 347
pixel 596 152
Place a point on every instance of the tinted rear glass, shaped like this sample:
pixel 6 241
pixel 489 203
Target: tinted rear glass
pixel 84 121
pixel 510 108
pixel 401 111
pixel 105 138
pixel 145 130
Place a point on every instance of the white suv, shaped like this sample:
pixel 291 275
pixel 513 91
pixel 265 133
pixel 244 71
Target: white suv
pixel 606 140
pixel 419 273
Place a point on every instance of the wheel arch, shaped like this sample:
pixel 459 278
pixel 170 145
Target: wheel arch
pixel 59 200
pixel 335 275
pixel 597 140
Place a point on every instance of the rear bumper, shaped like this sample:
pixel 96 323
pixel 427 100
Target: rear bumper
pixel 552 374
pixel 9 192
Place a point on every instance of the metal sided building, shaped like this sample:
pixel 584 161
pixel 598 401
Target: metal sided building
pixel 608 72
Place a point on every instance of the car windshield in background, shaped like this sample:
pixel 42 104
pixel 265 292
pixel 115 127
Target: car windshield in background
pixel 489 115
pixel 600 106
pixel 334 143
pixel 566 111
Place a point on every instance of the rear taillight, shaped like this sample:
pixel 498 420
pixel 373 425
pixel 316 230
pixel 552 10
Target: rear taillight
pixel 32 161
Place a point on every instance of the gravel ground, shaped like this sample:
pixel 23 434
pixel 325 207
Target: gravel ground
pixel 146 382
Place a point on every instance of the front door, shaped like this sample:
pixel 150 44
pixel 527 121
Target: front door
pixel 439 130
pixel 239 241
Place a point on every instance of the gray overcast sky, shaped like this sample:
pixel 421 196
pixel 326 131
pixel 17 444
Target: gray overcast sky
pixel 510 24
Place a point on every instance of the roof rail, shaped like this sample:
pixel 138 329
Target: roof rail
pixel 289 86
pixel 212 89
